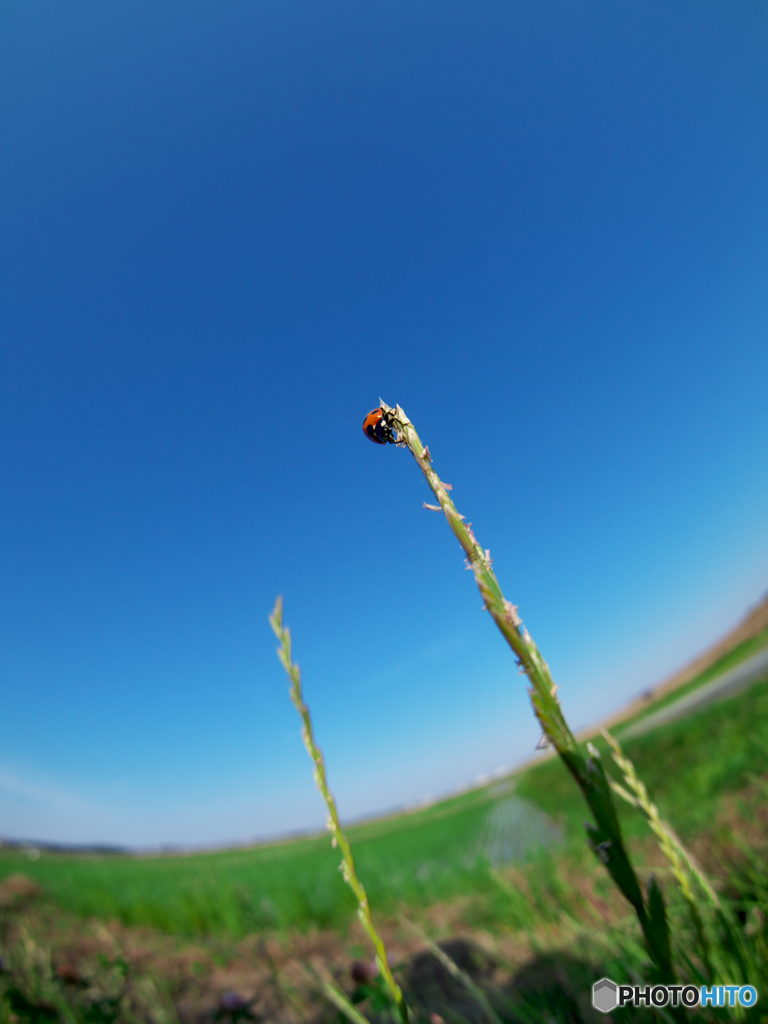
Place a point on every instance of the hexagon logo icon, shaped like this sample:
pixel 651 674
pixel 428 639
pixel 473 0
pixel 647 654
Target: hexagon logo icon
pixel 605 995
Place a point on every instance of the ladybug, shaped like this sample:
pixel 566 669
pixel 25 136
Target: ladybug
pixel 377 429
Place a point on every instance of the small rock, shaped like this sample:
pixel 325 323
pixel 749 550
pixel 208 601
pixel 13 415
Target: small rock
pixel 67 972
pixel 363 972
pixel 231 1002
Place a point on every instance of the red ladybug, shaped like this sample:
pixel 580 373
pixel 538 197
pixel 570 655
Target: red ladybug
pixel 377 429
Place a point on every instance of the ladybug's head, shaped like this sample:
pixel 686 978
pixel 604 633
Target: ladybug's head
pixel 376 428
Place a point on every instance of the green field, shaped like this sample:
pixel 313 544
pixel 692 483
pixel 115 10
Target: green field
pixel 415 860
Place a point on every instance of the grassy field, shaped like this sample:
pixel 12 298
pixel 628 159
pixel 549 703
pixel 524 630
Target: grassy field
pixel 415 859
pixel 420 859
pixel 500 876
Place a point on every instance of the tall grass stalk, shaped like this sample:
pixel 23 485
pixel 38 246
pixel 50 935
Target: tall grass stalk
pixel 604 834
pixel 338 837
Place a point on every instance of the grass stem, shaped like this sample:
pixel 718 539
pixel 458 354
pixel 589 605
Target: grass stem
pixel 682 862
pixel 604 835
pixel 334 994
pixel 338 837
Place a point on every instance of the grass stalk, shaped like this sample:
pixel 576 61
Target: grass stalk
pixel 604 834
pixel 334 994
pixel 683 864
pixel 338 837
pixel 684 868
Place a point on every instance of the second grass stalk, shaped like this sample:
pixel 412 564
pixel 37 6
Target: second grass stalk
pixel 334 825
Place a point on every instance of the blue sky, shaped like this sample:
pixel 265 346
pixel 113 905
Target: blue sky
pixel 228 228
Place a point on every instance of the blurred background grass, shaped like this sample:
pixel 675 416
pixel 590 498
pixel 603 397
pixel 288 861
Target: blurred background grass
pixel 431 855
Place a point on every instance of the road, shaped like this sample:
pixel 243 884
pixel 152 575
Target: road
pixel 739 678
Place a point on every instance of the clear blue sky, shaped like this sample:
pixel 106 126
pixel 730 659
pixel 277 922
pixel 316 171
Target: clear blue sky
pixel 227 228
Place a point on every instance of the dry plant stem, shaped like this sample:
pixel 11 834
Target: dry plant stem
pixel 605 835
pixel 347 866
pixel 453 969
